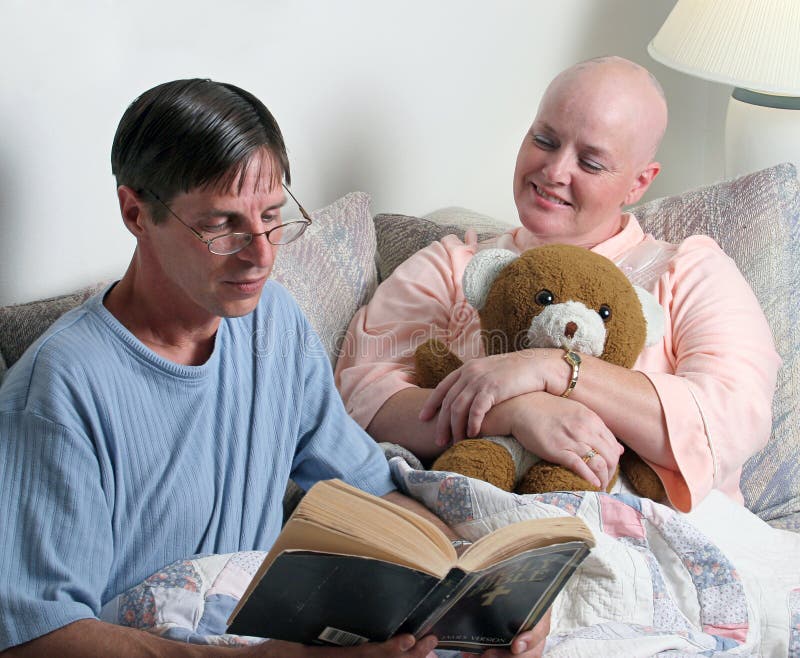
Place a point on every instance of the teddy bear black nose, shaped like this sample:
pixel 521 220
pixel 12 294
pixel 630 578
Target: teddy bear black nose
pixel 570 329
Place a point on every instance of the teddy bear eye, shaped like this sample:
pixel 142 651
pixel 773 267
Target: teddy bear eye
pixel 604 312
pixel 544 298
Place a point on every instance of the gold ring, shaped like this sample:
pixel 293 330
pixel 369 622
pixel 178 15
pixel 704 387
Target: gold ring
pixel 588 456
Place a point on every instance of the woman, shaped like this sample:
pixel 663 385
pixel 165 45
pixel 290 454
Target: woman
pixel 695 406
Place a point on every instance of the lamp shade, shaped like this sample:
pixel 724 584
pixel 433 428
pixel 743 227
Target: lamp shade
pixel 754 44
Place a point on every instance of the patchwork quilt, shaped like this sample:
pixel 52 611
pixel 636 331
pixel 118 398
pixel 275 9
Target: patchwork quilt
pixel 716 582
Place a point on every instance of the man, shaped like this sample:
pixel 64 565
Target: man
pixel 142 427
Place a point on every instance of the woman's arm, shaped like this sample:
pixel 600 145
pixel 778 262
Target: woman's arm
pixel 551 427
pixel 420 300
pixel 698 403
pixel 397 421
pixel 628 404
pixel 624 399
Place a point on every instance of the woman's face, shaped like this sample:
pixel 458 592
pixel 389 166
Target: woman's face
pixel 582 160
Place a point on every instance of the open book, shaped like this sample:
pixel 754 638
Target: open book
pixel 350 567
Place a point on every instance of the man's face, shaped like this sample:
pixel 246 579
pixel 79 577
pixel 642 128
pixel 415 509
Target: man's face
pixel 200 285
pixel 582 158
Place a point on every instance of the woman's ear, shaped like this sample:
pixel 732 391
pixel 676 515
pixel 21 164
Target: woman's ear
pixel 642 182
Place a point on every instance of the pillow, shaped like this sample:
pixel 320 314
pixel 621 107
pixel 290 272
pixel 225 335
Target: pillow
pixel 756 221
pixel 331 270
pixel 21 324
pixel 399 236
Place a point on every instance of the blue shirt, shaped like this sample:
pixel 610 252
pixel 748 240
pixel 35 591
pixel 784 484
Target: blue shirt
pixel 116 462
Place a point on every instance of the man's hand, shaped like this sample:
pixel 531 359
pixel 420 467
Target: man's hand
pixel 401 646
pixel 91 638
pixel 526 645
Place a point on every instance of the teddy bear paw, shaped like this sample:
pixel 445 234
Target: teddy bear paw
pixel 479 459
pixel 544 477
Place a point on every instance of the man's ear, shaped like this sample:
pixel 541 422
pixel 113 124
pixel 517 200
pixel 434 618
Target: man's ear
pixel 642 182
pixel 132 208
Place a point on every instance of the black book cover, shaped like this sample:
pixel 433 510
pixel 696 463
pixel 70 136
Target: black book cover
pixel 318 598
pixel 497 603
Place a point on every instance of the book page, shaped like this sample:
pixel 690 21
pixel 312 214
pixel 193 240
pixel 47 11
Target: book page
pixel 307 535
pixel 433 533
pixel 372 521
pixel 338 518
pixel 335 517
pixel 512 539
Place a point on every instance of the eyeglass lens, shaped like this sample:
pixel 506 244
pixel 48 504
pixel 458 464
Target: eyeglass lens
pixel 233 242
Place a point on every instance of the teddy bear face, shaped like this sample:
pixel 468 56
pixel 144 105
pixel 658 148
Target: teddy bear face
pixel 564 296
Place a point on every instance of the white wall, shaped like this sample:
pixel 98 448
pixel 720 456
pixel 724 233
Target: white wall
pixel 421 103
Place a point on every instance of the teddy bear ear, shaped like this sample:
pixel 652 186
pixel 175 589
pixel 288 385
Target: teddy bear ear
pixel 653 316
pixel 481 272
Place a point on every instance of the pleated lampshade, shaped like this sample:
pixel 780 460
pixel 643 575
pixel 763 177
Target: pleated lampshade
pixel 753 45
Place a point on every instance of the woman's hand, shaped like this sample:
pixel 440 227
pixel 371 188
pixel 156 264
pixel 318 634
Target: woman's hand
pixel 466 395
pixel 560 430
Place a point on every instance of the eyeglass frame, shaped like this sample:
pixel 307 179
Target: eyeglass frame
pixel 306 221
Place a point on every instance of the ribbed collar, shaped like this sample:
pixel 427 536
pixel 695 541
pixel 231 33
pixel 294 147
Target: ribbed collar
pixel 144 353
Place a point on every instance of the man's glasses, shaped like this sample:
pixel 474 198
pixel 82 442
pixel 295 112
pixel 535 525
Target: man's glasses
pixel 232 243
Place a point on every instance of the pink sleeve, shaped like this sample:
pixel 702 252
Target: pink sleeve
pixel 714 372
pixel 420 300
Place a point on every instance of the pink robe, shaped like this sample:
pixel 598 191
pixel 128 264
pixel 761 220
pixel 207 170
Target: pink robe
pixel 714 370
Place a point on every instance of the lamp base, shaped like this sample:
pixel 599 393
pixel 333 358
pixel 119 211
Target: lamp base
pixel 761 130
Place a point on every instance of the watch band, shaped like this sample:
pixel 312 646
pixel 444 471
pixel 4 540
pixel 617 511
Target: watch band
pixel 574 359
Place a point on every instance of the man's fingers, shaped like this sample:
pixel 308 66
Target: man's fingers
pixel 531 643
pixel 400 645
pixel 423 648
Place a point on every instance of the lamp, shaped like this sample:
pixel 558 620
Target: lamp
pixel 755 46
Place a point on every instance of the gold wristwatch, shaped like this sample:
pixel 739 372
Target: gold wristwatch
pixel 574 359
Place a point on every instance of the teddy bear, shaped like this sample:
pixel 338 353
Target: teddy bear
pixel 549 296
